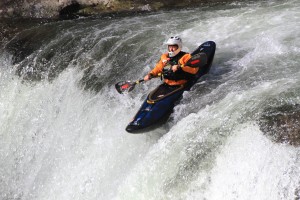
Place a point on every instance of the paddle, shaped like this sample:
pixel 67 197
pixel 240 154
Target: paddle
pixel 128 86
pixel 197 60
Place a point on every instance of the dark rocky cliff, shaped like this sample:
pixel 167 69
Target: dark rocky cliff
pixel 71 8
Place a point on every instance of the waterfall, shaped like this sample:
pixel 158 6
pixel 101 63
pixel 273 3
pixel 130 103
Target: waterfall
pixel 62 123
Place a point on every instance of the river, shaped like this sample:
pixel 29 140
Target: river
pixel 62 123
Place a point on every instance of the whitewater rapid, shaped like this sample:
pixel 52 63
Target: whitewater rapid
pixel 62 123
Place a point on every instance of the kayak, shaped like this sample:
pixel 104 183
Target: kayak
pixel 160 103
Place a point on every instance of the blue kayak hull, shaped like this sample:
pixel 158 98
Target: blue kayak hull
pixel 153 113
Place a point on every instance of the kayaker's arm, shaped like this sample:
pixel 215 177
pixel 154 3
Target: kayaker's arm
pixel 150 76
pixel 157 70
pixel 184 64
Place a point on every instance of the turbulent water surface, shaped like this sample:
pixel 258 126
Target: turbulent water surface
pixel 62 122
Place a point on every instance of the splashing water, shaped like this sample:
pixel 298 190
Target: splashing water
pixel 62 122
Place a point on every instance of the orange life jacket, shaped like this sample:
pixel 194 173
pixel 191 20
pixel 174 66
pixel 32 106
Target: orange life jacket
pixel 182 59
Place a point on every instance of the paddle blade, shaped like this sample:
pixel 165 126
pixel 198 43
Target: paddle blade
pixel 125 86
pixel 197 60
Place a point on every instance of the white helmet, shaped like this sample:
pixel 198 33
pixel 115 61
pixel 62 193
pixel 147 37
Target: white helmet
pixel 174 41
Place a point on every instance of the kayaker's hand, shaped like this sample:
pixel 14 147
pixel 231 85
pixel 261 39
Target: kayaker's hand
pixel 175 68
pixel 147 77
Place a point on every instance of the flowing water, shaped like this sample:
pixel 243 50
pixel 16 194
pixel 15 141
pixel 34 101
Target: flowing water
pixel 62 123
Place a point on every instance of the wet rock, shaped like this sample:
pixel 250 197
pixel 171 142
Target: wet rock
pixel 70 11
pixel 282 124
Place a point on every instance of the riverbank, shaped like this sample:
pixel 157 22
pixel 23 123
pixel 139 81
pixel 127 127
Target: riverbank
pixel 74 8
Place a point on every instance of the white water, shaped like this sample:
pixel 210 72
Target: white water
pixel 60 141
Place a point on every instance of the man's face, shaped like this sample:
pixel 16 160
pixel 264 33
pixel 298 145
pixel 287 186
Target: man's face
pixel 172 48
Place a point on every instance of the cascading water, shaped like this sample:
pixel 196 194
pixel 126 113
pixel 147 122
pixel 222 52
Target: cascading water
pixel 62 122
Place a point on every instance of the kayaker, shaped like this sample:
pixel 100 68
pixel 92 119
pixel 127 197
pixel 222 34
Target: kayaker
pixel 172 65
